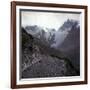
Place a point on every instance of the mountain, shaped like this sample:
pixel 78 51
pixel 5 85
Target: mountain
pixel 44 34
pixel 50 36
pixel 40 60
pixel 33 30
pixel 71 44
pixel 63 31
pixel 67 25
pixel 73 36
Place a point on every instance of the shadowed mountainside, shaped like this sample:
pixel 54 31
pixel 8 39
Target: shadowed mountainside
pixel 71 45
pixel 40 60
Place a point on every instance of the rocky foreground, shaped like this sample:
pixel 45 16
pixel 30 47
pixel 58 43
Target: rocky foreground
pixel 39 60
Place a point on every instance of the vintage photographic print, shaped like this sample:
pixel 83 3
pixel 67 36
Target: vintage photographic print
pixel 48 44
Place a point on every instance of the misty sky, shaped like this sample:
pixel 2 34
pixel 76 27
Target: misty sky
pixel 44 19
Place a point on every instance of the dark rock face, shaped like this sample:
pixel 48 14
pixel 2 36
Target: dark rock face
pixel 71 46
pixel 38 60
pixel 26 48
pixel 66 25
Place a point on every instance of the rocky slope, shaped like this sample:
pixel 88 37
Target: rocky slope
pixel 40 60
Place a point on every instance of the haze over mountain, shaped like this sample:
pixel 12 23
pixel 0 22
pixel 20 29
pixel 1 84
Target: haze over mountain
pixel 50 33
